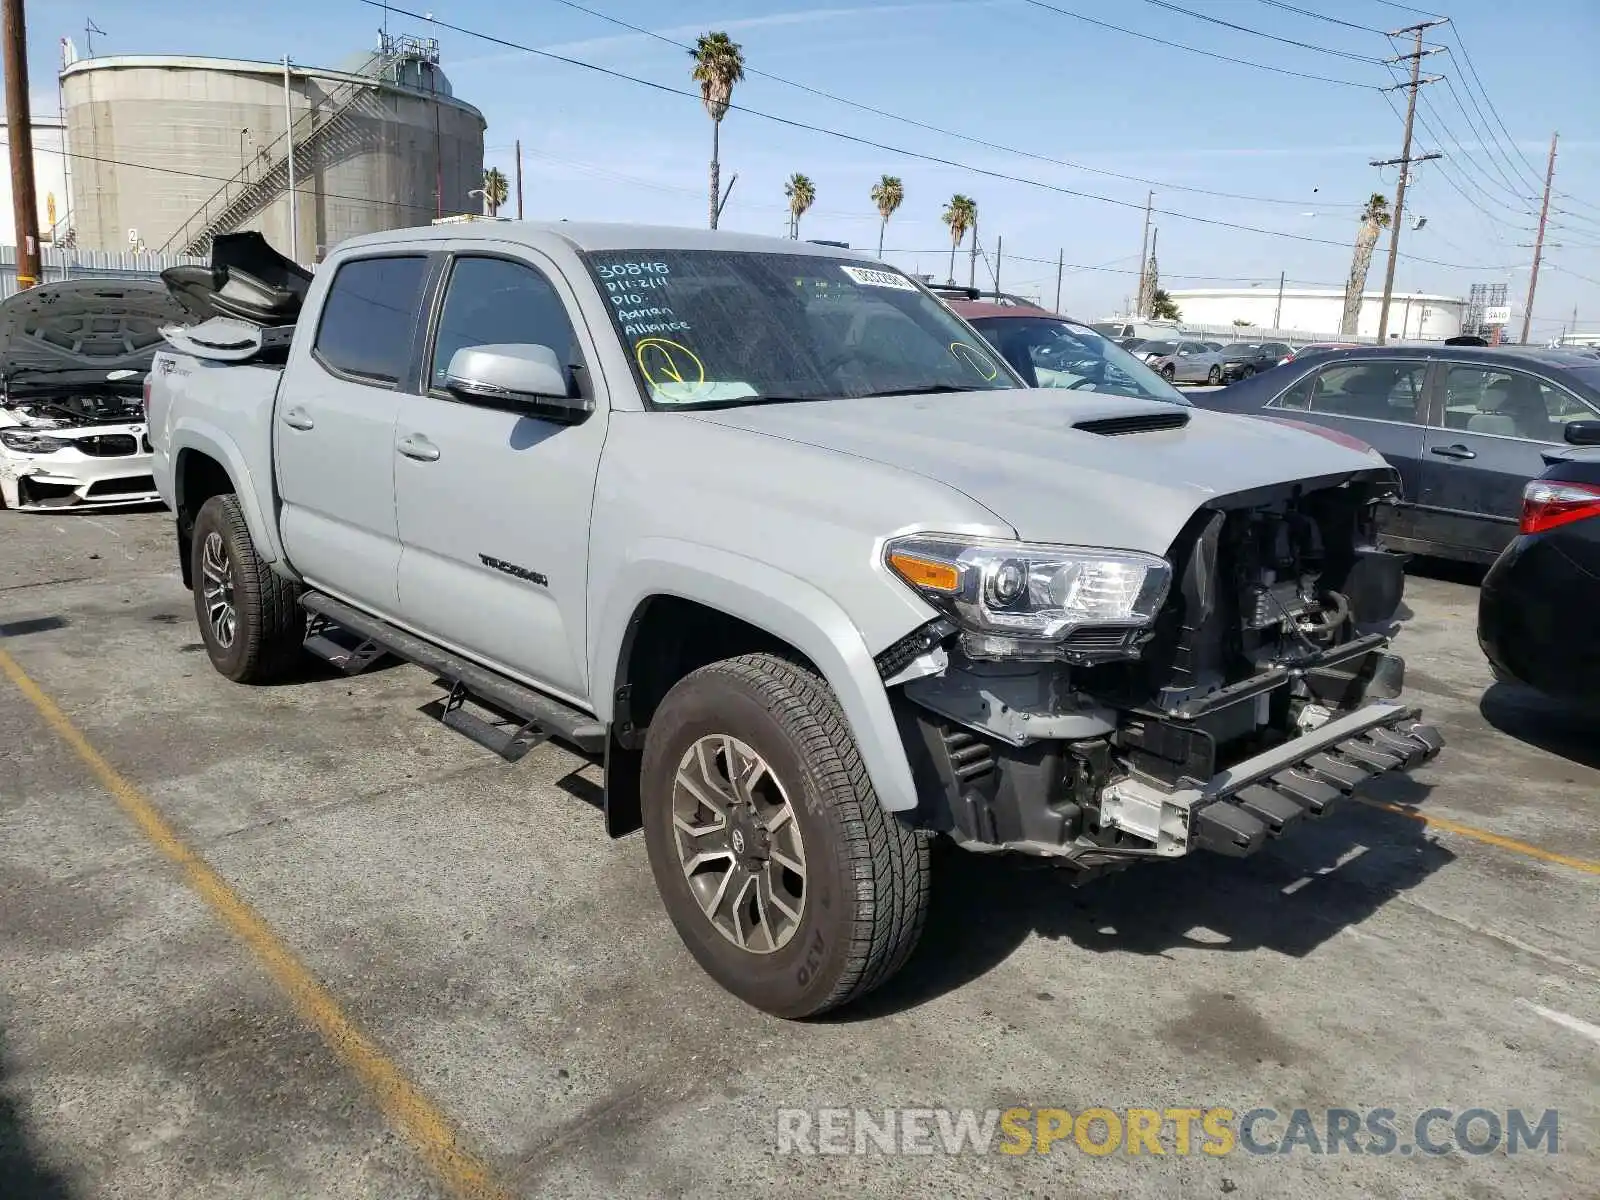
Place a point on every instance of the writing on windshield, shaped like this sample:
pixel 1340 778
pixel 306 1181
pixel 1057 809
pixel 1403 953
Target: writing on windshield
pixel 715 327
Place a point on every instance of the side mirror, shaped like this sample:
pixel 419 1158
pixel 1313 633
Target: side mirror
pixel 1583 433
pixel 519 376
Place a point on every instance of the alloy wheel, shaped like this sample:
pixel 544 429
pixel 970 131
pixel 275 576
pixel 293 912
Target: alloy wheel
pixel 216 569
pixel 739 844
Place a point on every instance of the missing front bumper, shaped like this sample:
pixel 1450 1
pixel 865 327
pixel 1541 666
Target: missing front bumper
pixel 1237 810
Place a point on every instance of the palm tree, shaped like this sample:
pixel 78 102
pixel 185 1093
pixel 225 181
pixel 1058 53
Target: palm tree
pixel 718 65
pixel 495 189
pixel 888 194
pixel 960 215
pixel 802 195
pixel 1163 307
pixel 1374 219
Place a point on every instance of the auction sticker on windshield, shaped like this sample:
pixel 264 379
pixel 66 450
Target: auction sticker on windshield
pixel 885 279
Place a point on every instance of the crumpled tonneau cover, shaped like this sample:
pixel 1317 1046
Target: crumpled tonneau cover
pixel 247 280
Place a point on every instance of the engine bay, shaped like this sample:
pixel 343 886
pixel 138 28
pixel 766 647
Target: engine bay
pixel 75 410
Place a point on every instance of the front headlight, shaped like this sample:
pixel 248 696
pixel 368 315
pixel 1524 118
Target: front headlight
pixel 32 443
pixel 1017 600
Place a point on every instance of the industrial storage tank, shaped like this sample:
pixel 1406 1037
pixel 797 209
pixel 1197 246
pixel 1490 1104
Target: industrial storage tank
pixel 169 150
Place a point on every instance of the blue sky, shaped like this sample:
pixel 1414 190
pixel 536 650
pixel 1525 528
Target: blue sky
pixel 1011 73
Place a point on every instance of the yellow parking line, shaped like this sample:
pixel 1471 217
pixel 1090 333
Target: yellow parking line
pixel 407 1109
pixel 1483 835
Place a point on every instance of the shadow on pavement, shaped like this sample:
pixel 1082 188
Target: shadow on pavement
pixel 1321 877
pixel 23 1173
pixel 1447 570
pixel 1549 724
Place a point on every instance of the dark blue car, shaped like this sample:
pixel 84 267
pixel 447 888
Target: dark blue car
pixel 1466 427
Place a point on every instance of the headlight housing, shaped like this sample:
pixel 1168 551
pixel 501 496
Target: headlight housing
pixel 25 442
pixel 1016 600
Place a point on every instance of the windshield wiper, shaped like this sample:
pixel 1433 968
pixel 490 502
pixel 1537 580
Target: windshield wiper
pixel 740 402
pixel 935 389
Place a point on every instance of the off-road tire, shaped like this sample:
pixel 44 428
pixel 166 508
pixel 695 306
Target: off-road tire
pixel 271 626
pixel 867 874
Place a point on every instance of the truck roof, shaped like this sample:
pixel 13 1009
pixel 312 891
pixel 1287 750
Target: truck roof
pixel 587 235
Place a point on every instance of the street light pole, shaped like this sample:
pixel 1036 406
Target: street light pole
pixel 294 197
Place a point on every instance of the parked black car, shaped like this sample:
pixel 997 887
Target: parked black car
pixel 1466 428
pixel 1536 606
pixel 1251 358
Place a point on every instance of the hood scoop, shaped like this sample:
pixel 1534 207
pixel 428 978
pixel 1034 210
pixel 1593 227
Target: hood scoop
pixel 1142 423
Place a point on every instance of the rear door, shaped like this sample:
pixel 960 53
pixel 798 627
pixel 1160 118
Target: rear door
pixel 493 503
pixel 1489 426
pixel 333 429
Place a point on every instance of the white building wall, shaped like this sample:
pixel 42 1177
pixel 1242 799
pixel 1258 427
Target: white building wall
pixel 1421 316
pixel 49 180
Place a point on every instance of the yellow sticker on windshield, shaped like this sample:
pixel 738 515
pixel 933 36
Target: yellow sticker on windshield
pixel 668 363
pixel 976 359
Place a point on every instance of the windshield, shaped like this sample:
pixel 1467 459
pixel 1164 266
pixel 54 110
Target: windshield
pixel 1048 352
pixel 709 328
pixel 1155 347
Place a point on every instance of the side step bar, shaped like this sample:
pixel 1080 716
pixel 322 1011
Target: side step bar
pixel 543 717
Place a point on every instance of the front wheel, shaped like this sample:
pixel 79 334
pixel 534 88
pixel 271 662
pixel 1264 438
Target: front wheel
pixel 1246 371
pixel 250 617
pixel 781 871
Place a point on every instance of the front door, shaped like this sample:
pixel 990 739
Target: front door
pixel 493 503
pixel 333 430
pixel 1488 429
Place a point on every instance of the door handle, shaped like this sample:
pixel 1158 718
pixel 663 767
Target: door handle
pixel 1456 451
pixel 298 418
pixel 418 447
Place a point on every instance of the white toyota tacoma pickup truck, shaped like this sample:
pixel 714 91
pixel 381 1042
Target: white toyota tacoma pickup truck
pixel 769 529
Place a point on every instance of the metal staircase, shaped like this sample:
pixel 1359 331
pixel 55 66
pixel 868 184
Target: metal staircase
pixel 327 126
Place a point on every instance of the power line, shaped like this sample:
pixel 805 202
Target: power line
pixel 1513 186
pixel 1271 37
pixel 1149 37
pixel 1306 12
pixel 1465 158
pixel 1461 45
pixel 857 139
pixel 913 122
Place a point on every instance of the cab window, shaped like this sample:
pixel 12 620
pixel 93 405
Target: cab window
pixel 369 319
pixel 493 302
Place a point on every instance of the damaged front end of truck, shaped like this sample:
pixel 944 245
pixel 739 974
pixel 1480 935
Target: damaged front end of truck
pixel 1103 707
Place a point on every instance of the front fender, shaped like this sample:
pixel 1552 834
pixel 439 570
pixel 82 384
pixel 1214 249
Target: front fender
pixel 781 604
pixel 255 497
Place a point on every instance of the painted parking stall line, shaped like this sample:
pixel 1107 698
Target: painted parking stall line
pixel 407 1109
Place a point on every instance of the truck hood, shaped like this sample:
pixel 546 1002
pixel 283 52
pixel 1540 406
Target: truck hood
pixel 1025 455
pixel 84 327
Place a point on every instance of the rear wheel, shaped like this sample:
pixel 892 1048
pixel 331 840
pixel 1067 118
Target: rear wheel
pixel 1214 376
pixel 1168 371
pixel 250 617
pixel 781 871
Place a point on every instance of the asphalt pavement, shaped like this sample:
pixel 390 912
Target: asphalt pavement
pixel 304 941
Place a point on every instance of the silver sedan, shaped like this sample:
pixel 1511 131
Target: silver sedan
pixel 1191 362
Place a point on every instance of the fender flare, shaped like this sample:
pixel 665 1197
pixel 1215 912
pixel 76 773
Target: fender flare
pixel 782 605
pixel 218 446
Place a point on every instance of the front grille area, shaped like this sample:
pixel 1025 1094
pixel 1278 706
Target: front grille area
pixel 131 485
pixel 108 445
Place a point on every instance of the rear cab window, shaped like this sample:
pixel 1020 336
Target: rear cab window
pixel 368 323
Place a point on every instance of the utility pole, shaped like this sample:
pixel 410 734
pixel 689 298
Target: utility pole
pixel 19 125
pixel 1538 241
pixel 972 254
pixel 294 196
pixel 1061 261
pixel 999 247
pixel 1277 313
pixel 519 179
pixel 1144 250
pixel 1405 160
